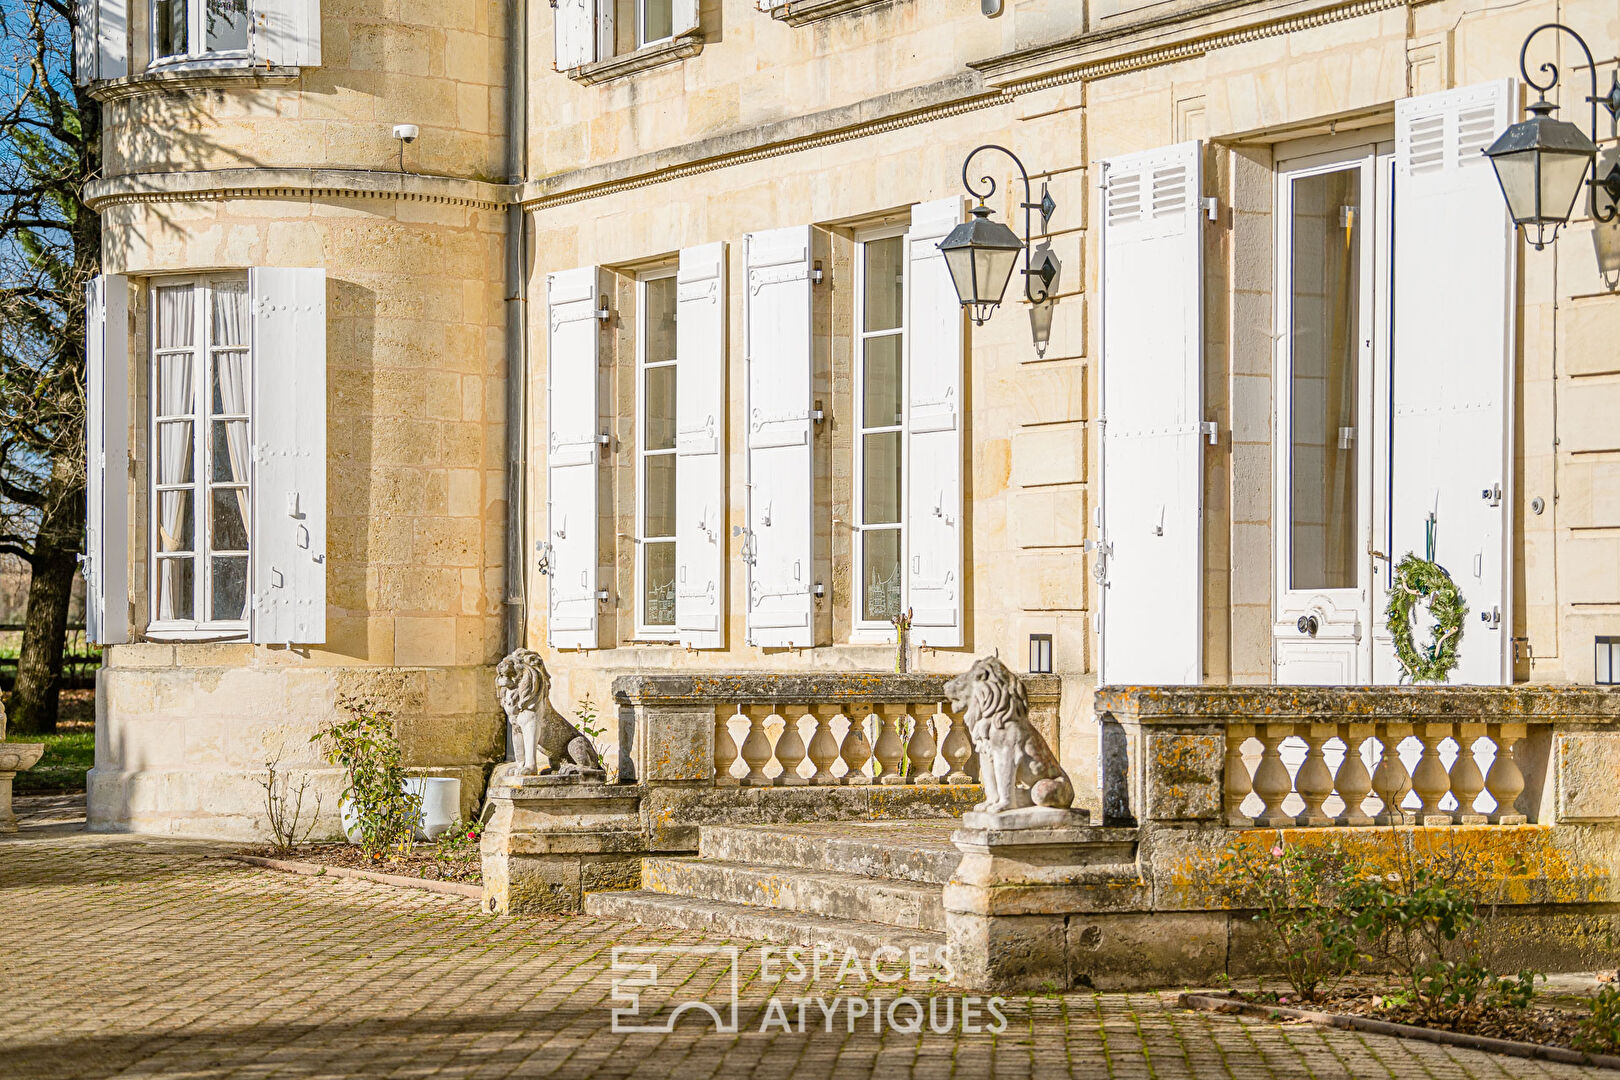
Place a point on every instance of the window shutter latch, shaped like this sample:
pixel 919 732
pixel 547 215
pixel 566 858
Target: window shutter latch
pixel 1211 430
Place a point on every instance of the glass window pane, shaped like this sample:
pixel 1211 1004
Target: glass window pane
pixel 880 396
pixel 229 516
pixel 880 478
pixel 657 21
pixel 229 454
pixel 174 456
pixel 174 524
pixel 169 27
pixel 228 394
pixel 228 314
pixel 660 408
pixel 885 289
pixel 1324 336
pixel 660 494
pixel 658 584
pixel 174 582
pixel 229 588
pixel 880 575
pixel 174 385
pixel 227 25
pixel 175 316
pixel 659 319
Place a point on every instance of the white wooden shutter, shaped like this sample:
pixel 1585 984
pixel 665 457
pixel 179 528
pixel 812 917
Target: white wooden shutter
pixel 575 33
pixel 573 425
pixel 933 457
pixel 685 17
pixel 106 460
pixel 100 40
pixel 700 460
pixel 286 33
pixel 780 544
pixel 1452 359
pixel 287 552
pixel 1150 559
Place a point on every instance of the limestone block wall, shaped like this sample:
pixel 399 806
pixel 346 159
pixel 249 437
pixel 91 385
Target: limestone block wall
pixel 1025 488
pixel 416 501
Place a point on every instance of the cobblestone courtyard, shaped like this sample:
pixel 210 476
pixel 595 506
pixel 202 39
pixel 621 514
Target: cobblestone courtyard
pixel 142 958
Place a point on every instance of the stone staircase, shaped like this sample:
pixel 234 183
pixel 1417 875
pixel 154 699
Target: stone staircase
pixel 851 884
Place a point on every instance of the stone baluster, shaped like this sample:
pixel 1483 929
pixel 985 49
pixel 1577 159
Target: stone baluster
pixel 1235 783
pixel 1390 780
pixel 890 749
pixel 1271 780
pixel 921 747
pixel 756 747
pixel 855 749
pixel 725 747
pixel 823 747
pixel 1505 781
pixel 1466 779
pixel 1354 782
pixel 1314 781
pixel 790 747
pixel 1430 780
pixel 956 749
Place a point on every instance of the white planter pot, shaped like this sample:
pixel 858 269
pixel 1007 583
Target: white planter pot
pixel 441 805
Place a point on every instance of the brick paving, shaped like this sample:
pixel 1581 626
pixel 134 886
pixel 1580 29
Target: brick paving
pixel 138 958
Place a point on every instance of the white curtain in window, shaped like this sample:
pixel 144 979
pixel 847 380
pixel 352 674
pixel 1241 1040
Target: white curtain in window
pixel 175 398
pixel 230 312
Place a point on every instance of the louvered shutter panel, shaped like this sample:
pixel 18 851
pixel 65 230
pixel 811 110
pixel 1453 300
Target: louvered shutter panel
pixel 1150 560
pixel 685 17
pixel 106 460
pixel 573 425
pixel 286 33
pixel 780 544
pixel 574 28
pixel 933 458
pixel 700 473
pixel 288 546
pixel 1452 359
pixel 100 40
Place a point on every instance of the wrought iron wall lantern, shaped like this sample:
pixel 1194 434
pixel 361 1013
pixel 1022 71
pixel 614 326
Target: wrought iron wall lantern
pixel 1542 163
pixel 981 252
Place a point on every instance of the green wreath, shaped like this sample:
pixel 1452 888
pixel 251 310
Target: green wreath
pixel 1422 580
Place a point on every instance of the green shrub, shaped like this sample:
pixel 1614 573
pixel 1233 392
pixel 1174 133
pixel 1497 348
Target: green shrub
pixel 368 750
pixel 459 840
pixel 1599 1033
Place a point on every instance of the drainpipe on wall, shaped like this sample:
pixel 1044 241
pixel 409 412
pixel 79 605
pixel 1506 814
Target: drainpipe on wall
pixel 515 587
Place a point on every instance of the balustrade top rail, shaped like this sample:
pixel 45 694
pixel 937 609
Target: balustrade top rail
pixel 1523 704
pixel 801 687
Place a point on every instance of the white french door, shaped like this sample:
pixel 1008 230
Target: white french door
pixel 1330 487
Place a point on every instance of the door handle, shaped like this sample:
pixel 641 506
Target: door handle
pixel 1307 625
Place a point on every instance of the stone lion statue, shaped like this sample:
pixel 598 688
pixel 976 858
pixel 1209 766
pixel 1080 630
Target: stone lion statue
pixel 1016 766
pixel 524 688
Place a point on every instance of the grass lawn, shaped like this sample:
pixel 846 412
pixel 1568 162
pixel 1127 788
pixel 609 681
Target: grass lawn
pixel 68 754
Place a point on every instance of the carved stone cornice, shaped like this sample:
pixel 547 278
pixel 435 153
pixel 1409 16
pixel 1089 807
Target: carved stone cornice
pixel 283 183
pixel 173 80
pixel 805 12
pixel 643 59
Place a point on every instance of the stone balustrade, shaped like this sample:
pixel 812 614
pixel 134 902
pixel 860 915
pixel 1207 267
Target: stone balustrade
pixel 802 729
pixel 1284 757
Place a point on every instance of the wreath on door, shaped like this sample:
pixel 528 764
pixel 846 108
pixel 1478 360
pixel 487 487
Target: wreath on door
pixel 1424 581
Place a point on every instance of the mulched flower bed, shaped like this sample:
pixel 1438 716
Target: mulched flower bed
pixel 1547 1022
pixel 424 861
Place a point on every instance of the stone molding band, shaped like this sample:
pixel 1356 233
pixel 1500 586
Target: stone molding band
pixel 990 83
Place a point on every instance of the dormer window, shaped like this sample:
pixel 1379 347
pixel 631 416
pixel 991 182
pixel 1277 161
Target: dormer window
pixel 199 29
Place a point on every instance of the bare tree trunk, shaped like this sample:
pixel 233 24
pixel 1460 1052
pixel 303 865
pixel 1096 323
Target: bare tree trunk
pixel 33 705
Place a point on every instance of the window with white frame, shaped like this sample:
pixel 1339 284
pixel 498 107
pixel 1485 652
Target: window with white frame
pixel 655 455
pixel 201 454
pixel 199 29
pixel 655 21
pixel 880 428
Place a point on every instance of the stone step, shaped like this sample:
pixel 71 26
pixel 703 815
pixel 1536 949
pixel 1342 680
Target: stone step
pixel 918 851
pixel 739 922
pixel 908 904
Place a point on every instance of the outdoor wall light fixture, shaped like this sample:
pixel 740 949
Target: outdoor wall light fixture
pixel 1606 661
pixel 981 253
pixel 1040 654
pixel 1541 162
